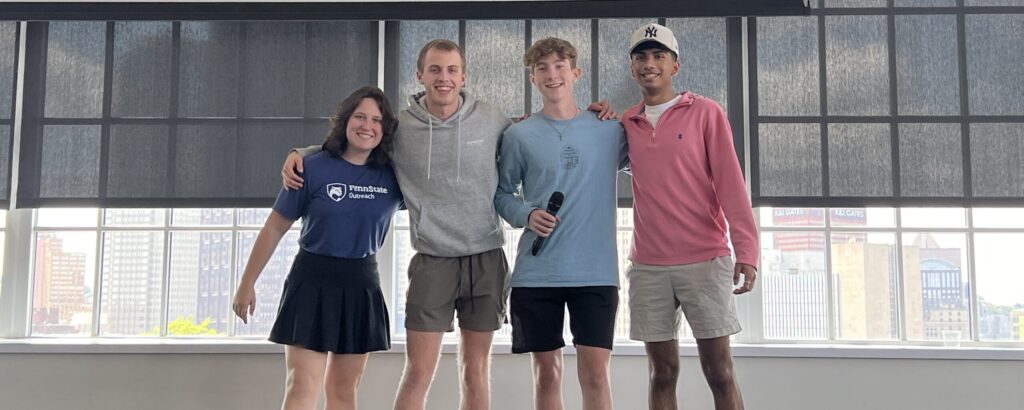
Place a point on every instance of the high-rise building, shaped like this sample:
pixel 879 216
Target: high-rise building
pixel 862 275
pixel 945 305
pixel 271 280
pixel 214 291
pixel 795 306
pixel 59 295
pixel 132 274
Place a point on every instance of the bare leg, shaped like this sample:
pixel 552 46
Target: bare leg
pixel 305 378
pixel 547 380
pixel 663 367
pixel 344 371
pixel 422 351
pixel 592 368
pixel 716 362
pixel 475 369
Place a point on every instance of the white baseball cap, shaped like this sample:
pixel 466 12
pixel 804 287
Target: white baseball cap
pixel 656 33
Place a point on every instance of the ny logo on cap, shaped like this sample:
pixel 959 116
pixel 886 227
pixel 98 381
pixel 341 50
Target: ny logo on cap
pixel 651 32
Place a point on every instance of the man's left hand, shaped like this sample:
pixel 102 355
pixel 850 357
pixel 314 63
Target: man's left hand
pixel 749 274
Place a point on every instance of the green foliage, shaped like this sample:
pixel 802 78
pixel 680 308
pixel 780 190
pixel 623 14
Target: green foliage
pixel 185 326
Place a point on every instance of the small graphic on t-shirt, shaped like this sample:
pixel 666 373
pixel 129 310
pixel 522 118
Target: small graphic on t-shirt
pixel 570 157
pixel 336 191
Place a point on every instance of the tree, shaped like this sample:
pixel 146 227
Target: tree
pixel 186 326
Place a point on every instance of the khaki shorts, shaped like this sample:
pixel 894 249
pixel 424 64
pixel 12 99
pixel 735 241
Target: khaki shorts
pixel 703 291
pixel 475 286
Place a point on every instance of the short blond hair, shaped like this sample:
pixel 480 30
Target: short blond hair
pixel 443 45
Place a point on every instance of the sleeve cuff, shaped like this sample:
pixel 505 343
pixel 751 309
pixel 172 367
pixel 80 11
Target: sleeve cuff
pixel 523 216
pixel 748 261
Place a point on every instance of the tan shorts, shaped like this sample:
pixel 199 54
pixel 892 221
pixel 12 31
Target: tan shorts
pixel 475 286
pixel 703 291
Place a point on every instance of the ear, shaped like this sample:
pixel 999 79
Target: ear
pixel 578 72
pixel 419 76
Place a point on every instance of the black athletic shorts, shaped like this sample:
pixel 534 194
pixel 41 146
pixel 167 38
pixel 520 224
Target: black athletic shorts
pixel 538 316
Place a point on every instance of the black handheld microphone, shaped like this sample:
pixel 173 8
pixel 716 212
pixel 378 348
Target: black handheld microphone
pixel 554 204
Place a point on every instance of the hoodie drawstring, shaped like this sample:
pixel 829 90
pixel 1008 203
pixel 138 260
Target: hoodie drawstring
pixel 458 155
pixel 472 300
pixel 430 144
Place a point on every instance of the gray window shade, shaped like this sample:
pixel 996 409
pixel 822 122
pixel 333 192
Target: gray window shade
pixel 913 109
pixel 138 161
pixel 857 65
pixel 142 69
pixel 790 159
pixel 703 60
pixel 8 71
pixel 204 162
pixel 179 114
pixel 70 161
pixel 997 152
pixel 209 69
pixel 74 70
pixel 8 48
pixel 494 54
pixel 931 160
pixel 858 158
pixel 995 64
pixel 926 65
pixel 787 66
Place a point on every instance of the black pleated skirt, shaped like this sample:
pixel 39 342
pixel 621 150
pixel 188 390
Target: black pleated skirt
pixel 333 305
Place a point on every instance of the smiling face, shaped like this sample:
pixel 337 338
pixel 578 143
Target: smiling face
pixel 364 130
pixel 442 76
pixel 554 77
pixel 653 68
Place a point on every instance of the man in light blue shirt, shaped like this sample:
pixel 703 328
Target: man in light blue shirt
pixel 568 150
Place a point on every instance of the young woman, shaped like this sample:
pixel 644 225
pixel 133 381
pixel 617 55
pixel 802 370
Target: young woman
pixel 332 310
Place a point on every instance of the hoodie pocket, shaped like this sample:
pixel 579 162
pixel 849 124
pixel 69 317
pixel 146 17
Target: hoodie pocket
pixel 456 225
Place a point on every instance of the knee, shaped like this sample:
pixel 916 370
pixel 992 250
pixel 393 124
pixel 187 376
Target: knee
pixel 664 374
pixel 594 380
pixel 547 377
pixel 719 376
pixel 418 376
pixel 342 392
pixel 302 384
pixel 419 373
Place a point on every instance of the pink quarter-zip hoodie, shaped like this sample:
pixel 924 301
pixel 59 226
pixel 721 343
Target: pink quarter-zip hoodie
pixel 687 183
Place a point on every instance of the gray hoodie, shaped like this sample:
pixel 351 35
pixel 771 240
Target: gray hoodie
pixel 448 175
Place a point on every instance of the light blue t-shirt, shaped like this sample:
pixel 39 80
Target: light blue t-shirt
pixel 345 208
pixel 580 158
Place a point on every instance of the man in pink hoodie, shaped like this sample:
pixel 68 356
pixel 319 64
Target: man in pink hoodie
pixel 687 183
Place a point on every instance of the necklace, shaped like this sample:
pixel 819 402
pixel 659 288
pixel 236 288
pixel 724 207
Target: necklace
pixel 560 133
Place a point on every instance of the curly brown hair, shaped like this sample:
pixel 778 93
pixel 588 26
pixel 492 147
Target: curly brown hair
pixel 564 50
pixel 336 141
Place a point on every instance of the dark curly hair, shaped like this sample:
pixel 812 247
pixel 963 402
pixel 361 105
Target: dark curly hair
pixel 337 141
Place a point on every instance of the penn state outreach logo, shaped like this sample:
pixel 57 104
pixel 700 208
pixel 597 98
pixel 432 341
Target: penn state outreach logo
pixel 337 191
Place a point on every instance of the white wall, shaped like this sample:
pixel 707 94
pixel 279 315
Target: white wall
pixel 254 381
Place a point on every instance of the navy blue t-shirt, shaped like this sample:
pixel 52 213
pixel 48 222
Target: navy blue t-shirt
pixel 345 208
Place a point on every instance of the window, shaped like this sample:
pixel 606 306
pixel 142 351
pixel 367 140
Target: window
pixel 151 272
pixel 914 274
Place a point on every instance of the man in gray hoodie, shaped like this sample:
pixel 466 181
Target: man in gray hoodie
pixel 444 157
